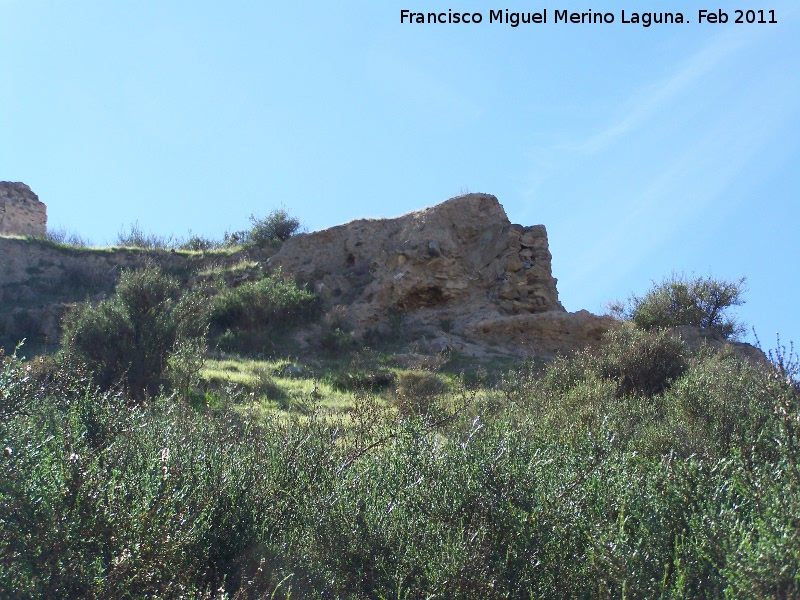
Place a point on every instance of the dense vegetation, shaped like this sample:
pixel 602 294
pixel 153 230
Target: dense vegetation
pixel 639 469
pixel 560 484
pixel 152 333
pixel 130 336
pixel 249 315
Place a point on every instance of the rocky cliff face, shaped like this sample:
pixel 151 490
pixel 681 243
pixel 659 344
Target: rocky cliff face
pixel 21 212
pixel 459 269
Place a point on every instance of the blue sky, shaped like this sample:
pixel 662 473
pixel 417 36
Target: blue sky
pixel 643 150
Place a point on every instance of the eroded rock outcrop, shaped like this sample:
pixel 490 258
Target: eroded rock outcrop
pixel 21 211
pixel 460 266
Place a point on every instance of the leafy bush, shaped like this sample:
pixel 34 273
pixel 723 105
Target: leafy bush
pixel 633 470
pixel 278 226
pixel 337 332
pixel 335 341
pixel 701 302
pixel 129 337
pixel 366 374
pixel 641 362
pixel 636 362
pixel 416 392
pixel 653 394
pixel 198 243
pixel 720 404
pixel 19 325
pixel 184 364
pixel 99 499
pixel 81 279
pixel 254 310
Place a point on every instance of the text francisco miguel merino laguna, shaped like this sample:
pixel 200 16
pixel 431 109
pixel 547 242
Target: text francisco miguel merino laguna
pixel 644 19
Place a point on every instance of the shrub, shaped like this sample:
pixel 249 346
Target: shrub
pixel 17 325
pixel 129 337
pixel 364 374
pixel 722 402
pixel 137 238
pixel 416 392
pixel 199 243
pixel 336 336
pixel 255 309
pixel 641 362
pixel 278 226
pixel 81 279
pixel 184 364
pixel 59 235
pixel 335 341
pixel 701 302
pixel 618 387
pixel 637 362
pixel 100 499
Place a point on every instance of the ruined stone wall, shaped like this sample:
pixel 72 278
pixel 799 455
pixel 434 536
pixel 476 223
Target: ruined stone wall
pixel 460 276
pixel 21 211
pixel 38 281
pixel 451 261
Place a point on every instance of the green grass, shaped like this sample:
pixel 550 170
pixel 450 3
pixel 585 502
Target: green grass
pixel 243 266
pixel 335 391
pixel 222 251
pixel 262 387
pixel 327 390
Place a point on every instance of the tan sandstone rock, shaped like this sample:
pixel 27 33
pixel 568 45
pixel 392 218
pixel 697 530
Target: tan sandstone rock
pixel 21 211
pixel 460 262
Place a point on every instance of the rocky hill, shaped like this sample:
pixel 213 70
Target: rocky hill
pixel 459 275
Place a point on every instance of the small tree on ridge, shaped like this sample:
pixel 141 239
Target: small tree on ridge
pixel 702 302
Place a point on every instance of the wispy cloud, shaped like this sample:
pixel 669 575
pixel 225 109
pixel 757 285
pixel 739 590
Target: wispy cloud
pixel 651 101
pixel 645 105
pixel 692 186
pixel 648 103
pixel 700 156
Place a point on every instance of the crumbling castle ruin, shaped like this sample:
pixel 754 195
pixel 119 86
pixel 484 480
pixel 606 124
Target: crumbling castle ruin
pixel 21 211
pixel 460 268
